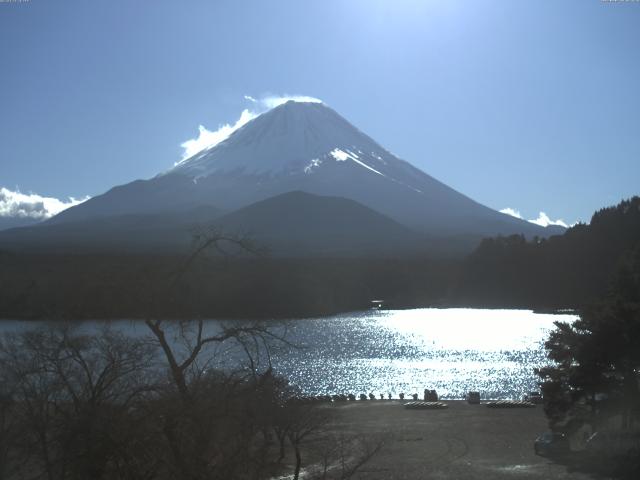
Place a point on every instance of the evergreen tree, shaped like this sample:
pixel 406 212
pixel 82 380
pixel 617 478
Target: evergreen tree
pixel 597 358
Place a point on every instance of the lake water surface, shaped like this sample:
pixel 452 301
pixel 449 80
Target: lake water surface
pixel 450 350
pixel 392 351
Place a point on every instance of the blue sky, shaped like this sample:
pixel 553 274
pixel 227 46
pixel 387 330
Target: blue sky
pixel 531 105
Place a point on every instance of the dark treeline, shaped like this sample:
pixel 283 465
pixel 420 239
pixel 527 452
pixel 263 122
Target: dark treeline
pixel 111 286
pixel 566 271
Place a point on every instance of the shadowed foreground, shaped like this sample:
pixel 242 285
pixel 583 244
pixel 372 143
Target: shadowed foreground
pixel 462 442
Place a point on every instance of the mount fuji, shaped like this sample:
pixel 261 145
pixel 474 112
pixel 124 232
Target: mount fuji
pixel 300 147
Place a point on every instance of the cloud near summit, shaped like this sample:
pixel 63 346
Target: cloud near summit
pixel 207 138
pixel 15 204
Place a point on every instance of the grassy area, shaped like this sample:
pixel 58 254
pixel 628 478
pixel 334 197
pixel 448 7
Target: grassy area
pixel 461 442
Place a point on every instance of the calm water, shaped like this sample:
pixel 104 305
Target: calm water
pixel 450 350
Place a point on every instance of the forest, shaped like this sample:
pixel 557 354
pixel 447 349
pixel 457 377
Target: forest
pixel 563 272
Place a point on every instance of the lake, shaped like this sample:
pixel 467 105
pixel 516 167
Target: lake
pixel 392 351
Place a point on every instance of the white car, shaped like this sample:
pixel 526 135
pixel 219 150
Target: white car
pixel 533 397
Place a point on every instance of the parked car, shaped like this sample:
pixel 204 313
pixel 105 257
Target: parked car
pixel 551 444
pixel 473 397
pixel 533 397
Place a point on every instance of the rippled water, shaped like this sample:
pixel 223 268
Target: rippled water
pixel 449 350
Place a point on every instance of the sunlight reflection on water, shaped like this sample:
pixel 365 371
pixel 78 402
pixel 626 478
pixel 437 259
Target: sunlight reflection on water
pixel 450 350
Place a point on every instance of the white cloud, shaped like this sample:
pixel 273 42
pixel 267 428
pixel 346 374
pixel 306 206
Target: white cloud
pixel 543 219
pixel 207 139
pixel 32 205
pixel 512 212
pixel 275 101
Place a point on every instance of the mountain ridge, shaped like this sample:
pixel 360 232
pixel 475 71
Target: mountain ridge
pixel 293 224
pixel 295 147
pixel 307 147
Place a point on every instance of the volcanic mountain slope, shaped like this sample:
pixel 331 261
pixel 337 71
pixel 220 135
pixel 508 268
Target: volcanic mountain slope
pixel 132 232
pixel 294 224
pixel 15 222
pixel 305 147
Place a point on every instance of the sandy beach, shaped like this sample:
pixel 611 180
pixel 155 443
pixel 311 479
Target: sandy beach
pixel 461 442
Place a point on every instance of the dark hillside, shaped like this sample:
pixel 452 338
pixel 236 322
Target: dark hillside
pixel 562 271
pixel 134 286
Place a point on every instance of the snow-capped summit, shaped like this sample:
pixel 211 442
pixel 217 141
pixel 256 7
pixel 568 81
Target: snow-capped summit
pixel 299 138
pixel 296 137
pixel 308 147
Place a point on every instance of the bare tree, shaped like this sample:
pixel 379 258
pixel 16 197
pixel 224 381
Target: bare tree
pixel 304 421
pixel 10 431
pixel 72 395
pixel 211 428
pixel 192 332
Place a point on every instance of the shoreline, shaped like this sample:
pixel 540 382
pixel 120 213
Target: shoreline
pixel 311 316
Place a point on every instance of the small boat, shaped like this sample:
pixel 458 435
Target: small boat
pixel 376 304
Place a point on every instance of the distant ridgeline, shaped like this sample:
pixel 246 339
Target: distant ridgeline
pixel 563 271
